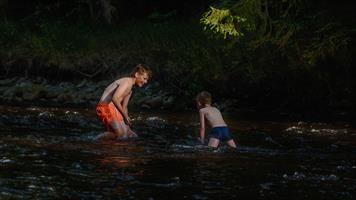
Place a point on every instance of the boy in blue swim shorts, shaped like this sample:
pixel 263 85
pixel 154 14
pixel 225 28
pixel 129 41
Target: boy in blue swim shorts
pixel 213 117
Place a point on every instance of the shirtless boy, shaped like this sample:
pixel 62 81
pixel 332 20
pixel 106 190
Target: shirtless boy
pixel 112 107
pixel 213 117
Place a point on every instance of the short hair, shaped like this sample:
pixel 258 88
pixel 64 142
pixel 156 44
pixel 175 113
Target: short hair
pixel 140 68
pixel 204 97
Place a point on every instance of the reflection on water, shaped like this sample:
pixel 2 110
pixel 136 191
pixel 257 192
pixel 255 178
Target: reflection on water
pixel 49 153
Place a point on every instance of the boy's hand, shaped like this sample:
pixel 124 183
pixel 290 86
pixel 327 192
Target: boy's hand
pixel 127 121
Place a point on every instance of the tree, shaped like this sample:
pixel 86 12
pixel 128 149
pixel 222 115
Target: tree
pixel 3 5
pixel 312 29
pixel 107 10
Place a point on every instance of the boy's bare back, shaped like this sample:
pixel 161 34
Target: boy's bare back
pixel 213 116
pixel 110 90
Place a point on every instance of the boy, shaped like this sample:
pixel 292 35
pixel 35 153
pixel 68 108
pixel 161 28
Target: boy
pixel 112 107
pixel 212 115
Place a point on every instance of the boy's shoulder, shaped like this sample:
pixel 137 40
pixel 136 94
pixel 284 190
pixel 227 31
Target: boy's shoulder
pixel 208 109
pixel 202 110
pixel 122 80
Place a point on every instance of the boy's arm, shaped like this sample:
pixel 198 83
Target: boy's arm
pixel 118 98
pixel 125 104
pixel 202 126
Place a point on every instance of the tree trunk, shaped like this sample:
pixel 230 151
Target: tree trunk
pixel 91 10
pixel 108 10
pixel 3 5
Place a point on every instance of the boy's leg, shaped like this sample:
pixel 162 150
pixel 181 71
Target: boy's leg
pixel 213 142
pixel 117 130
pixel 125 130
pixel 120 129
pixel 231 143
pixel 107 135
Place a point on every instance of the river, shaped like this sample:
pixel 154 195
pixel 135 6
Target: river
pixel 49 153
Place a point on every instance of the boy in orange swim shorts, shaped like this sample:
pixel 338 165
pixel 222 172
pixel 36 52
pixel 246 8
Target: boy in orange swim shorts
pixel 112 107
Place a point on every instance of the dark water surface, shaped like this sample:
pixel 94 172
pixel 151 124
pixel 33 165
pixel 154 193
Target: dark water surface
pixel 49 153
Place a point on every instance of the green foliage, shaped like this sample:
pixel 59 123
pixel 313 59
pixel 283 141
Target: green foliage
pixel 222 22
pixel 157 16
pixel 235 18
pixel 9 33
pixel 332 38
pixel 292 27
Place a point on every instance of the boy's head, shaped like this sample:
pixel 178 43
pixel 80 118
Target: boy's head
pixel 203 99
pixel 142 74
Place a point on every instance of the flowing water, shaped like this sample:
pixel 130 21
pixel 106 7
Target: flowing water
pixel 49 153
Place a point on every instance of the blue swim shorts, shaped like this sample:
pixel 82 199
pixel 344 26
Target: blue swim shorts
pixel 221 133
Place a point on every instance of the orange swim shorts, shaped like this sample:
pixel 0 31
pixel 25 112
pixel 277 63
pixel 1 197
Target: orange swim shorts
pixel 107 113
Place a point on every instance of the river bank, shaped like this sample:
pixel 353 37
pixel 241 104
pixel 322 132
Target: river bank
pixel 155 97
